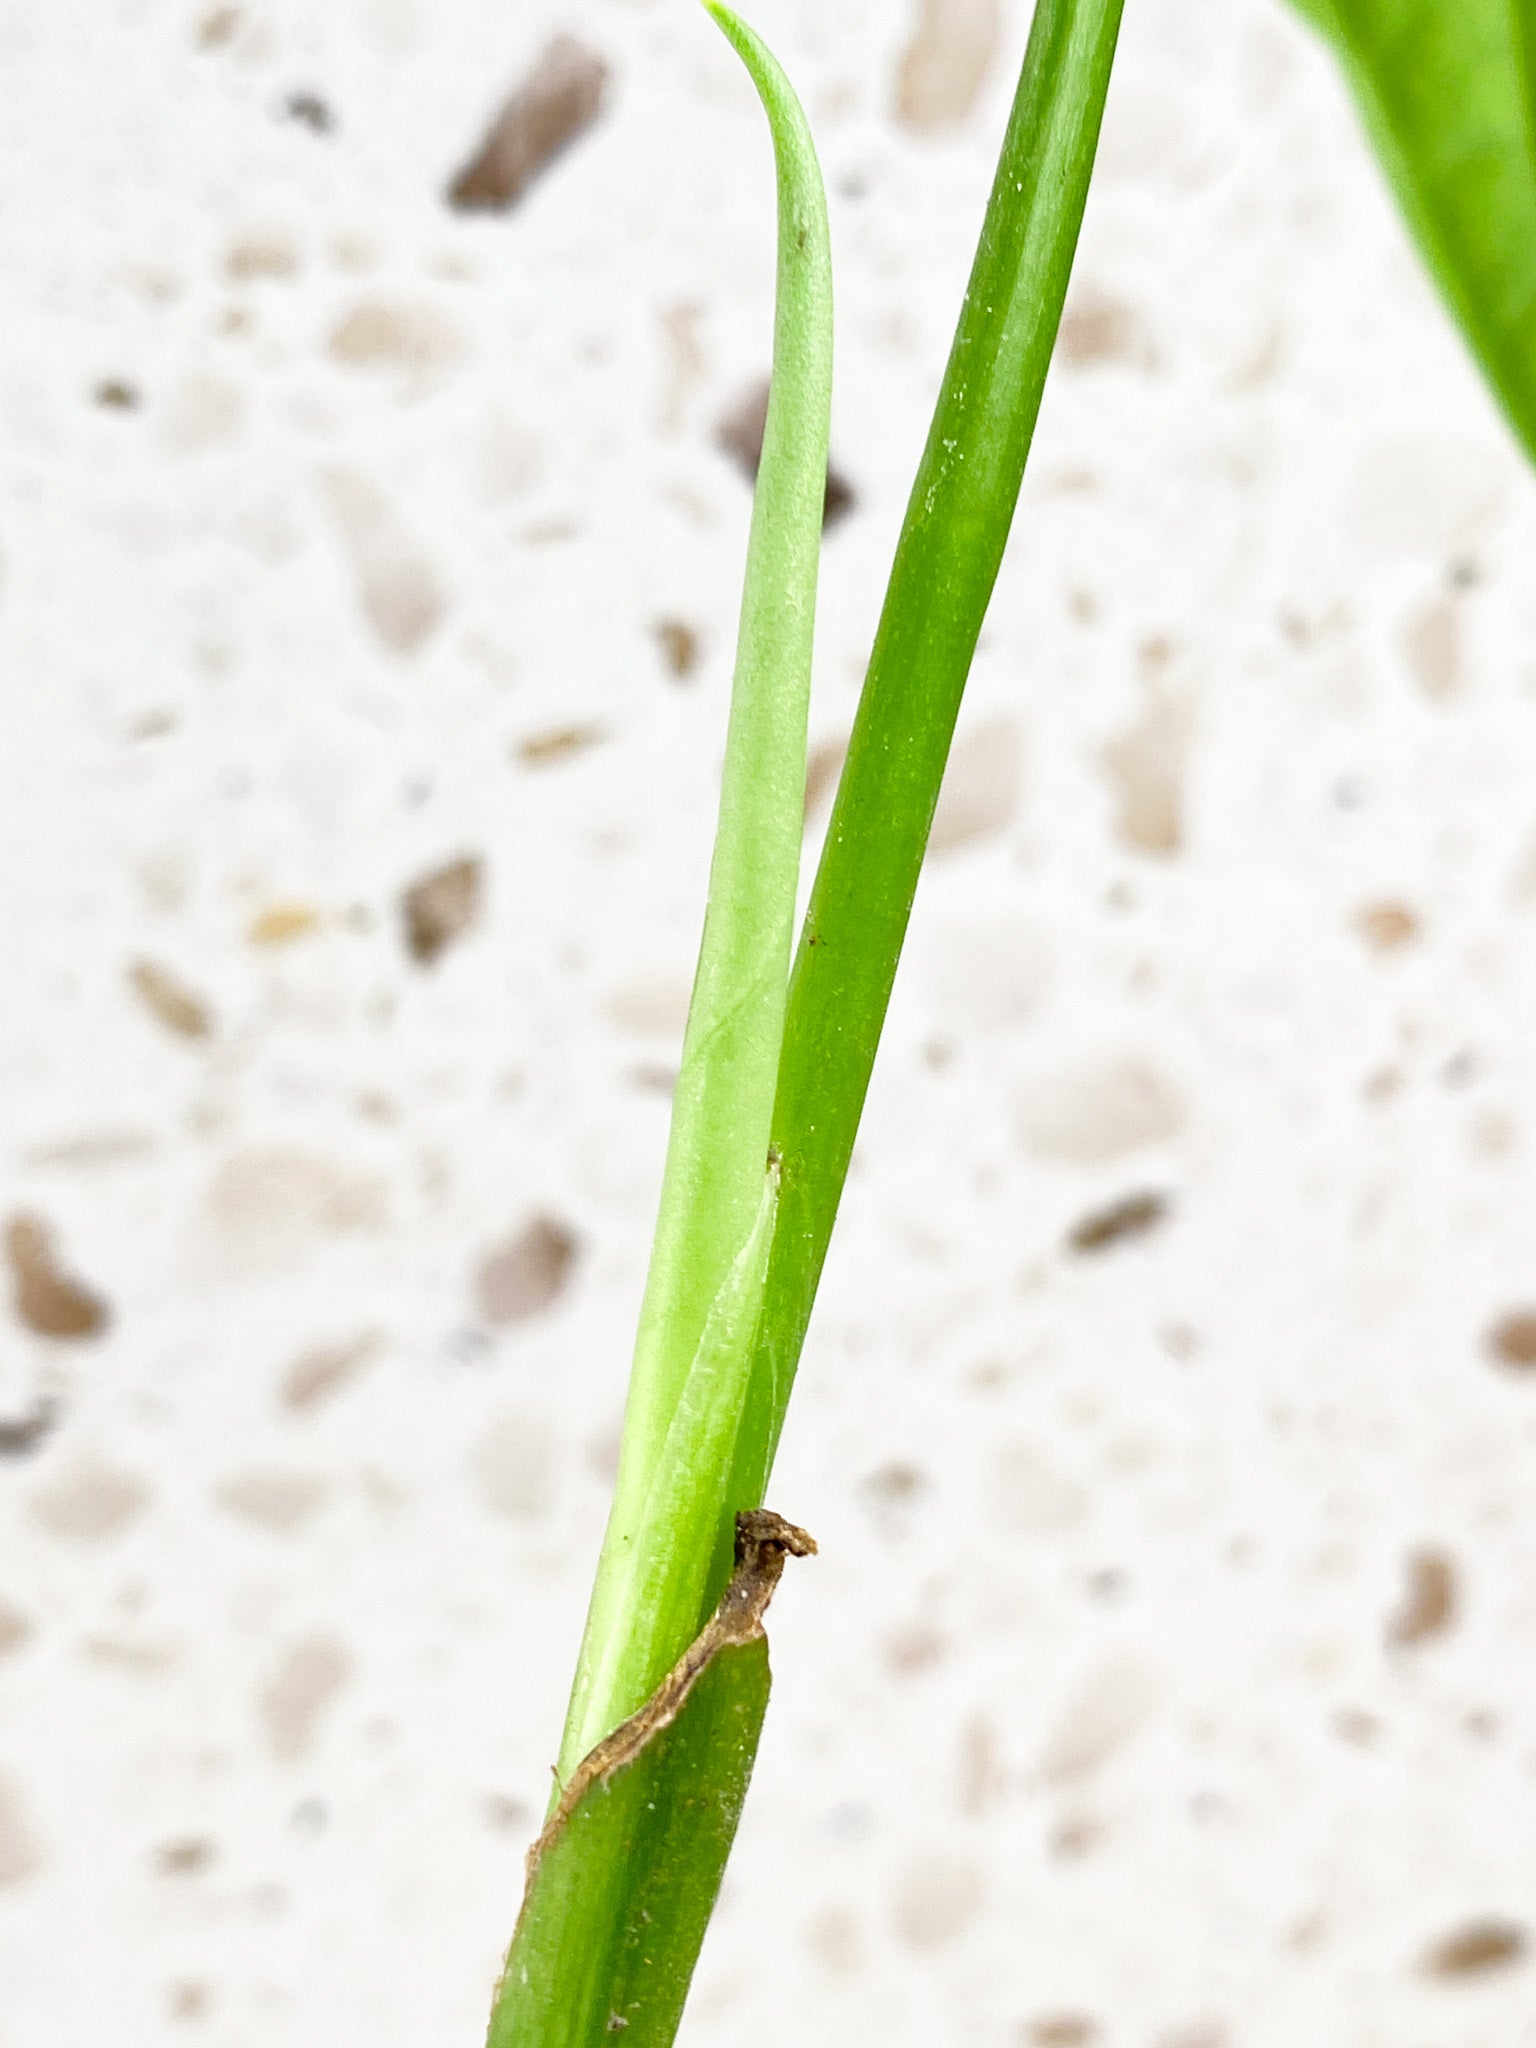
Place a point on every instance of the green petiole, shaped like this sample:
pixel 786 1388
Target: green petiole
pixel 661 1533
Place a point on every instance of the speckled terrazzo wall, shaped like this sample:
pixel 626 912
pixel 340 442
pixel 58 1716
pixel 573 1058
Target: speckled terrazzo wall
pixel 368 568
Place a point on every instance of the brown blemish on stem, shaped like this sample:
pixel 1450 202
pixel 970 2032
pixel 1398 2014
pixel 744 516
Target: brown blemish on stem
pixel 763 1541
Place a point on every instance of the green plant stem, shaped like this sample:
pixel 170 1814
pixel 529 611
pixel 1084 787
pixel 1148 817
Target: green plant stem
pixel 947 560
pixel 615 1917
pixel 616 1911
pixel 669 1499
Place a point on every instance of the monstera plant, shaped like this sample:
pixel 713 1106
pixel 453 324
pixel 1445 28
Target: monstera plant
pixel 673 1679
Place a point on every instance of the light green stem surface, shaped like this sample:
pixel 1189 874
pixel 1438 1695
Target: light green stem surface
pixel 713 1187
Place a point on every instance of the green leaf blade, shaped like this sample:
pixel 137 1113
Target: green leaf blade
pixel 722 1109
pixel 1524 13
pixel 1445 94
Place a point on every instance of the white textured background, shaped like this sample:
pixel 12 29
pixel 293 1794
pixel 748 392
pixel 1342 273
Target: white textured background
pixel 1168 1677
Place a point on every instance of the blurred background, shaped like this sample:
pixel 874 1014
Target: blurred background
pixel 378 387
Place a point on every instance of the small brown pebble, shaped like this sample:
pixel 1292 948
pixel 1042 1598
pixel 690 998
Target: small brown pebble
pixel 185 1856
pixel 980 790
pixel 116 395
pixel 1512 1340
pixel 89 1502
pixel 555 105
pixel 189 2001
pixel 1388 927
pixel 382 335
pixel 685 360
pixel 505 1812
pixel 281 923
pixel 1097 328
pixel 401 593
pixel 739 435
pixel 839 500
pixel 936 1900
pixel 653 1078
pixel 218 28
pixel 316 1375
pixel 274 1499
pixel 440 907
pixel 310 111
pixel 1146 765
pixel 1429 1604
pixel 171 1001
pixel 20 1435
pixel 1476 1949
pixel 261 256
pixel 1100 1720
pixel 823 767
pixel 15 1628
pixel 1356 1727
pixel 835 1939
pixel 899 1481
pixel 1078 1835
pixel 1061 2030
pixel 119 1653
pixel 300 1691
pixel 1307 1934
pixel 264 1203
pixel 48 1299
pixel 559 743
pixel 1131 1217
pixel 1433 650
pixel 915 1648
pixel 20 1851
pixel 945 65
pixel 679 644
pixel 527 1274
pixel 982 1779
